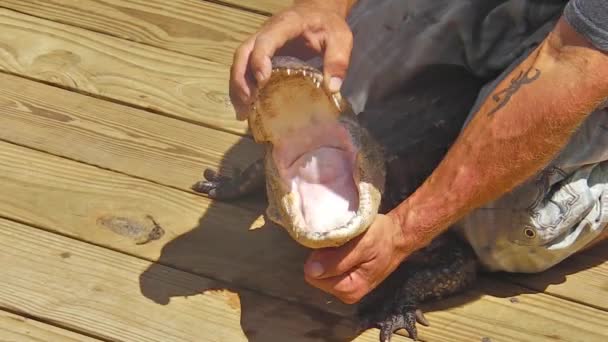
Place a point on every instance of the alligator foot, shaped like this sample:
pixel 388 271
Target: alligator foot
pixel 390 315
pixel 401 318
pixel 222 187
pixel 406 319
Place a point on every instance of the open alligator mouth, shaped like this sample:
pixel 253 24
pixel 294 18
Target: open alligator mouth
pixel 324 175
pixel 317 165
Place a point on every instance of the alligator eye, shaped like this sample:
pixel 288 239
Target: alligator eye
pixel 530 233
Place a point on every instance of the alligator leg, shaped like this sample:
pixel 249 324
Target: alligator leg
pixel 226 188
pixel 445 267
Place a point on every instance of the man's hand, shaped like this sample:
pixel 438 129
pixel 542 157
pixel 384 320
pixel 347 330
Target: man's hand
pixel 306 29
pixel 353 270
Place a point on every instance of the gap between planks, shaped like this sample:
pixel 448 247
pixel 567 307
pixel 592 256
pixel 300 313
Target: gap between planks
pixel 266 7
pixel 14 327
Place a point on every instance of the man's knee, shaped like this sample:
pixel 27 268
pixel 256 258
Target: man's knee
pixel 541 223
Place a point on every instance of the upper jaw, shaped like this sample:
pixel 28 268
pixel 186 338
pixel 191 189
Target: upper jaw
pixel 296 67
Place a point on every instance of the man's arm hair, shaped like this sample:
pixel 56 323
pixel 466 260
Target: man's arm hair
pixel 521 126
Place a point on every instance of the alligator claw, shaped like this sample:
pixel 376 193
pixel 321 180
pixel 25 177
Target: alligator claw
pixel 222 187
pixel 212 181
pixel 406 319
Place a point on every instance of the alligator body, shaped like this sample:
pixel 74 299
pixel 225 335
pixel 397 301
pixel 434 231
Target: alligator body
pixel 328 172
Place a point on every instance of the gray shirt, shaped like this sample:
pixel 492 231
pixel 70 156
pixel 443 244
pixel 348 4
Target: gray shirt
pixel 589 18
pixel 394 40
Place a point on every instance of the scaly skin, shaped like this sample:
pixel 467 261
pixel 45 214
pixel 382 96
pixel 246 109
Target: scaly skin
pixel 445 267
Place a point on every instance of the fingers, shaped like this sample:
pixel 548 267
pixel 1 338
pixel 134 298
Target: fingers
pixel 241 86
pixel 349 287
pixel 317 30
pixel 351 271
pixel 327 263
pixel 338 271
pixel 338 47
pixel 251 66
pixel 281 29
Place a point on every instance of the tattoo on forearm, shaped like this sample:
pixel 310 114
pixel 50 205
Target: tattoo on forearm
pixel 502 97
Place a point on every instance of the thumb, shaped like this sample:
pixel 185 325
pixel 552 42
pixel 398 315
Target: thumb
pixel 337 57
pixel 332 262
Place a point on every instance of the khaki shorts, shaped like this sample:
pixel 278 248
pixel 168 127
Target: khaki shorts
pixel 552 215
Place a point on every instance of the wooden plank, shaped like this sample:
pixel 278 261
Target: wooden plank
pixel 18 328
pixel 503 312
pixel 182 86
pixel 192 27
pixel 582 278
pixel 117 137
pixel 111 295
pixel 69 198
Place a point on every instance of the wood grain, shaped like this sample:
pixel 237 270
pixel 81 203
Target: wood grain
pixel 505 313
pixel 21 329
pixel 198 28
pixel 68 198
pixel 581 278
pixel 163 81
pixel 111 295
pixel 261 6
pixel 117 137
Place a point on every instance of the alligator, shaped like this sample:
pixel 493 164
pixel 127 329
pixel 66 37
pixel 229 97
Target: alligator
pixel 329 172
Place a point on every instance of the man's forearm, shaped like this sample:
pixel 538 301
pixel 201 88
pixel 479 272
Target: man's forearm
pixel 520 127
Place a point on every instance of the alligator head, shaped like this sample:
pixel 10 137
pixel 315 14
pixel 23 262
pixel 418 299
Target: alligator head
pixel 325 174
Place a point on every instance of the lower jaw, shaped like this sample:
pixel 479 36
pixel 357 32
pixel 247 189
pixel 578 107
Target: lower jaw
pixel 331 238
pixel 334 237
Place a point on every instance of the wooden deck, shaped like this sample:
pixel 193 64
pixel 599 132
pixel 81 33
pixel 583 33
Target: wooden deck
pixel 109 112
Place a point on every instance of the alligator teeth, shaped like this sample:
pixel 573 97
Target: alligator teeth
pixel 337 100
pixel 309 74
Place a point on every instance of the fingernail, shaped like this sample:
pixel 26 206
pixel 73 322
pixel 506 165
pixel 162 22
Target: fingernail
pixel 259 76
pixel 334 84
pixel 264 72
pixel 239 109
pixel 315 269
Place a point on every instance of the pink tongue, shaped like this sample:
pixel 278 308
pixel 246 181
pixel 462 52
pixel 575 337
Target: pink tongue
pixel 323 179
